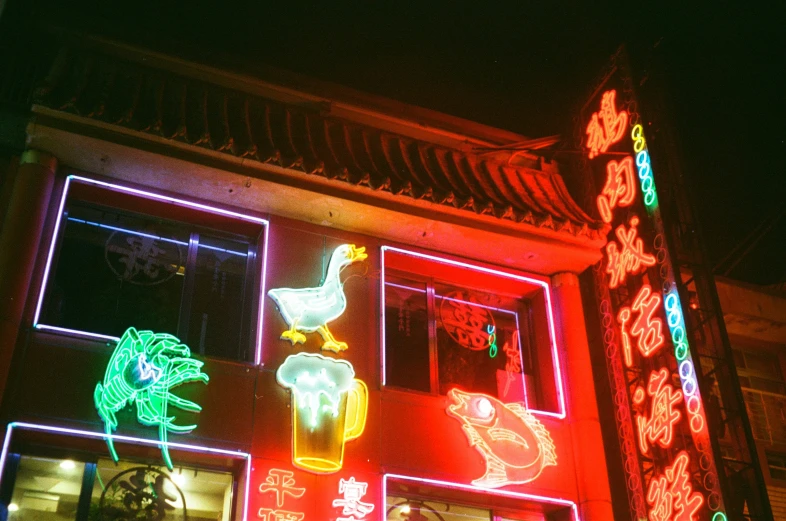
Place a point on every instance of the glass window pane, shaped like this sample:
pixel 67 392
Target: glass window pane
pixel 46 490
pixel 406 334
pixel 404 509
pixel 121 490
pixel 216 312
pixel 115 270
pixel 478 342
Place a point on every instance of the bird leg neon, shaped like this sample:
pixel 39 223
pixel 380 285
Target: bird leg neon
pixel 308 310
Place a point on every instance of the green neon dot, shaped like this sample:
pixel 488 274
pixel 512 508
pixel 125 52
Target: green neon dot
pixel 719 516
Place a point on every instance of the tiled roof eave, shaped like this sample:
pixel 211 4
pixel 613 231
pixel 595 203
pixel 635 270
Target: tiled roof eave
pixel 196 113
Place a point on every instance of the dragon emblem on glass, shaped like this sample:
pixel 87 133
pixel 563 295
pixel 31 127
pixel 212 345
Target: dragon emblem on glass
pixel 143 369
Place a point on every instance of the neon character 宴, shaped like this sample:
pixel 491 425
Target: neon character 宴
pixel 351 503
pixel 606 126
pixel 144 367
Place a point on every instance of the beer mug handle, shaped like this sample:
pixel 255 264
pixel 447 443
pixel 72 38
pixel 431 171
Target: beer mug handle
pixel 357 406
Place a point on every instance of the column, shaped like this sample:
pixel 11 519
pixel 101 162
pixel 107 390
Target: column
pixel 19 245
pixel 589 455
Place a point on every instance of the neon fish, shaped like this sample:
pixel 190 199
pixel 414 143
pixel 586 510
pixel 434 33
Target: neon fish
pixel 515 445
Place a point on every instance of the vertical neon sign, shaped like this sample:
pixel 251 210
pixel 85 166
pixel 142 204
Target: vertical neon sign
pixel 665 442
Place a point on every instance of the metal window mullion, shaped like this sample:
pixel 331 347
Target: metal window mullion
pixel 188 288
pixel 86 493
pixel 432 336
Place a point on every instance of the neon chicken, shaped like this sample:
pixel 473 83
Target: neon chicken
pixel 515 445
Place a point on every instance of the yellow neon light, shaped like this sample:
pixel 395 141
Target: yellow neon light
pixel 329 408
pixel 310 309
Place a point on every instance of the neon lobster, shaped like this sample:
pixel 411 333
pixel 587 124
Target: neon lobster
pixel 142 370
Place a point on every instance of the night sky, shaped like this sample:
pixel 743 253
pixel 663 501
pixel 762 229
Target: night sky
pixel 524 66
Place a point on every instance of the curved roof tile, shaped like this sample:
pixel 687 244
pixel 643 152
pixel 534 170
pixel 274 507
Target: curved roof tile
pixel 234 122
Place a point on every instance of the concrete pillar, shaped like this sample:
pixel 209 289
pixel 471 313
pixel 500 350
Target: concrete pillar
pixel 19 245
pixel 592 476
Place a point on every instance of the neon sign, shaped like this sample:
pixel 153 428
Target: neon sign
pixel 514 444
pixel 629 257
pixel 620 188
pixel 351 504
pixel 329 408
pixel 607 126
pixel 143 368
pixel 311 309
pixel 282 484
pixel 646 328
pixel 671 494
pixel 656 401
pixel 659 426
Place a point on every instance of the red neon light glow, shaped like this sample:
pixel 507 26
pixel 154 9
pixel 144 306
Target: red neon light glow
pixel 671 494
pixel 629 257
pixel 606 126
pixel 659 427
pixel 351 504
pixel 620 187
pixel 646 327
pixel 281 483
pixel 514 444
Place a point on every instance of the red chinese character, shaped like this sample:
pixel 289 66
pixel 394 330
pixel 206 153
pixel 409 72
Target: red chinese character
pixel 606 126
pixel 646 328
pixel 280 515
pixel 620 187
pixel 659 427
pixel 672 493
pixel 282 483
pixel 629 257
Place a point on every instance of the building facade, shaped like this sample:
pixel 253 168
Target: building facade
pixel 227 297
pixel 755 319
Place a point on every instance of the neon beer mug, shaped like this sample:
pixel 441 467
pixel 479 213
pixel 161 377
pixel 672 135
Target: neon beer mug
pixel 329 408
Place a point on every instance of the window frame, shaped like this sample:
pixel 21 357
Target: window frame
pixel 255 287
pixel 542 284
pixel 9 460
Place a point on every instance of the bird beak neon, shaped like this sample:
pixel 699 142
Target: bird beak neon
pixel 357 254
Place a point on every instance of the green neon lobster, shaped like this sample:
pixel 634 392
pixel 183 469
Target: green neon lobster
pixel 142 370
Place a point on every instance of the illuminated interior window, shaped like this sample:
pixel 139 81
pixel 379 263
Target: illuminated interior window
pixel 447 327
pixel 404 509
pixel 123 260
pixel 46 489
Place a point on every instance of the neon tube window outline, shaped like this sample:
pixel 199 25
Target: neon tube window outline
pixel 567 503
pixel 130 439
pixel 158 197
pixel 550 316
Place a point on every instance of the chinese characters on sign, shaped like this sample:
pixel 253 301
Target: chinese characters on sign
pixel 352 508
pixel 607 126
pixel 282 484
pixel 644 298
pixel 671 494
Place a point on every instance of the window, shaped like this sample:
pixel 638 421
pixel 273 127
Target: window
pixel 448 324
pixel 777 465
pixel 759 370
pixel 122 257
pixel 46 489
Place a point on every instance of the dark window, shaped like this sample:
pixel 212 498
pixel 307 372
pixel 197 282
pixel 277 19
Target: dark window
pixel 471 329
pixel 777 464
pixel 124 261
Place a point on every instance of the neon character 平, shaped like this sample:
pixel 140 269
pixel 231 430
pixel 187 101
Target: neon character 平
pixel 143 369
